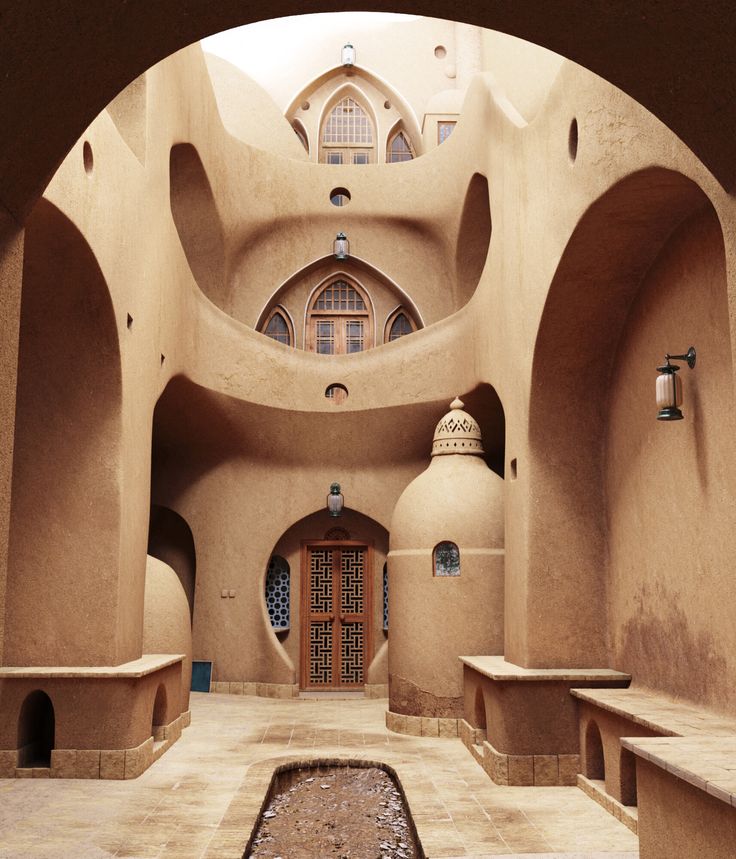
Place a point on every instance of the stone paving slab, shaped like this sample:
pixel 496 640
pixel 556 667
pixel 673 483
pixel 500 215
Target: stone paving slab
pixel 176 808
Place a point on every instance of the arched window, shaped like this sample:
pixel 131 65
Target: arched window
pixel 399 149
pixel 399 324
pixel 339 320
pixel 347 134
pixel 278 327
pixel 278 592
pixel 446 559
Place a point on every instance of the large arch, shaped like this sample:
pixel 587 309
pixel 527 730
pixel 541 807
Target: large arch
pixel 95 51
pixel 561 594
pixel 62 560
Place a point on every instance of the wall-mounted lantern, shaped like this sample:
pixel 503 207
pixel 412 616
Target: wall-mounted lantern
pixel 348 54
pixel 341 246
pixel 669 386
pixel 335 500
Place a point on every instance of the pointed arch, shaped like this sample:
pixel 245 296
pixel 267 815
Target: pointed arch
pixel 399 323
pixel 348 126
pixel 301 132
pixel 279 326
pixel 399 142
pixel 339 318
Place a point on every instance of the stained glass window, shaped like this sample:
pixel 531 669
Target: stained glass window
pixel 446 559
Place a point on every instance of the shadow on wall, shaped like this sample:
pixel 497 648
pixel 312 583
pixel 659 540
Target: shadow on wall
pixel 63 561
pixel 170 540
pixel 197 220
pixel 474 238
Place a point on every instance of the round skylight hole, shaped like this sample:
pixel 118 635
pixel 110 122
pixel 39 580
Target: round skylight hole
pixel 440 52
pixel 339 196
pixel 336 394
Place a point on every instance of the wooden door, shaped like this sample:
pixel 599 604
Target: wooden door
pixel 336 614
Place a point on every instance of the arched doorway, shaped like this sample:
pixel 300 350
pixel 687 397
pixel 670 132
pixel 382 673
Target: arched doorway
pixel 36 730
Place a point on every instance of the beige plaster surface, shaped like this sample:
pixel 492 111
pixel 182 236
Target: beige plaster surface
pixel 497 668
pixel 174 809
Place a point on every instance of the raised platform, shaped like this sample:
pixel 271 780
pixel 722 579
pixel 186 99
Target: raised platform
pixel 497 668
pixel 147 664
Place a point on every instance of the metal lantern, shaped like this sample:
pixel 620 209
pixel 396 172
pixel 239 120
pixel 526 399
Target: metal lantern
pixel 335 500
pixel 669 386
pixel 341 246
pixel 348 55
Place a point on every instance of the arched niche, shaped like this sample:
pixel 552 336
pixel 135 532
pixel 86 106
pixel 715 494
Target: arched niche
pixel 36 730
pixel 473 237
pixel 197 220
pixel 66 507
pixel 670 604
pixel 599 274
pixel 320 526
pixel 170 540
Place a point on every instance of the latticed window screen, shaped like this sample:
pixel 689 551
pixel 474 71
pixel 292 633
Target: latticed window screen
pixel 399 149
pixel 278 329
pixel 278 592
pixel 385 597
pixel 446 559
pixel 348 123
pixel 399 327
pixel 444 130
pixel 339 295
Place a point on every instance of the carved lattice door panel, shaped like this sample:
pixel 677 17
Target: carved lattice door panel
pixel 336 601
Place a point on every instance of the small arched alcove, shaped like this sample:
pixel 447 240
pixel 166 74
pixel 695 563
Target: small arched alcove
pixel 36 730
pixel 627 772
pixel 595 767
pixel 479 710
pixel 170 540
pixel 159 714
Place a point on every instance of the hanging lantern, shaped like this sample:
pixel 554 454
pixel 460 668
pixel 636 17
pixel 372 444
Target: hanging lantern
pixel 348 54
pixel 669 386
pixel 341 246
pixel 335 500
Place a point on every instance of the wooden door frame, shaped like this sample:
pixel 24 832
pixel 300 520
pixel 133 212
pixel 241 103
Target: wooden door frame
pixel 368 573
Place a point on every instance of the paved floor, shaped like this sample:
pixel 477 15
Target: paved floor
pixel 174 809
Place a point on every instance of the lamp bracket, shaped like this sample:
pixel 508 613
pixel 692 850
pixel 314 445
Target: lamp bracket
pixel 688 357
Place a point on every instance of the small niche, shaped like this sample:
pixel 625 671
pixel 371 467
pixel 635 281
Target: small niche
pixel 337 394
pixel 387 105
pixel 36 731
pixel 163 358
pixel 129 322
pixel 305 105
pixel 340 196
pixel 158 718
pixel 440 52
pixel 88 158
pixel 572 141
pixel 361 800
pixel 513 469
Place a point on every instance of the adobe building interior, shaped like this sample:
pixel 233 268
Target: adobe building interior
pixel 382 366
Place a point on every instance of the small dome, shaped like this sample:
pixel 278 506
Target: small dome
pixel 457 432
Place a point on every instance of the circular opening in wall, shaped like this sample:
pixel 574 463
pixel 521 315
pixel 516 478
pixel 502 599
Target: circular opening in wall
pixel 88 158
pixel 336 394
pixel 387 105
pixel 572 140
pixel 339 196
pixel 305 105
pixel 440 52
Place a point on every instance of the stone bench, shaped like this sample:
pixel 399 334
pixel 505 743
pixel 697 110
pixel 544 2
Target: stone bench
pixel 609 766
pixel 521 723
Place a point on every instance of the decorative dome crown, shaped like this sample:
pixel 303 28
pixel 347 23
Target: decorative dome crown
pixel 457 432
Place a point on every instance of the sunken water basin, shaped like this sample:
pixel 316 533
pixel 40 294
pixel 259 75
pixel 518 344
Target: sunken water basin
pixel 340 810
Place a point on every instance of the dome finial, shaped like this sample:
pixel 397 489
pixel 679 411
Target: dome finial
pixel 457 432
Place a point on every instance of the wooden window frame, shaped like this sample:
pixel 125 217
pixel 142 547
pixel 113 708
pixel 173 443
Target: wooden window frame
pixel 348 148
pixel 452 122
pixel 392 318
pixel 366 316
pixel 391 139
pixel 283 313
